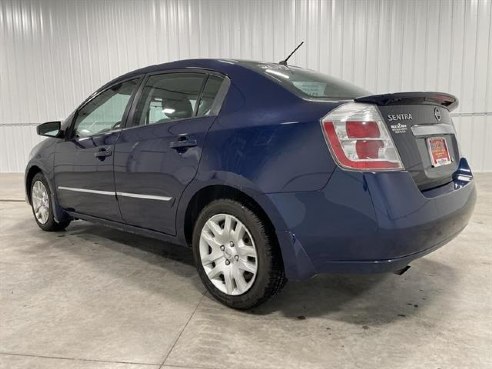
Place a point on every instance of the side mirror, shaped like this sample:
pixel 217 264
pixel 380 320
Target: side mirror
pixel 50 129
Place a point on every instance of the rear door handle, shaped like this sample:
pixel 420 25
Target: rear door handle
pixel 103 152
pixel 182 142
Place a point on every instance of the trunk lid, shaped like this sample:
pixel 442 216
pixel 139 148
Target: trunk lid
pixel 414 120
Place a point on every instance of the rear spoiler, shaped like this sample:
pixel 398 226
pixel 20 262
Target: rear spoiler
pixel 447 101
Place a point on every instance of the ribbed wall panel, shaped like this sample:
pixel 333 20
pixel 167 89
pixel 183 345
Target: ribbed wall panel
pixel 54 53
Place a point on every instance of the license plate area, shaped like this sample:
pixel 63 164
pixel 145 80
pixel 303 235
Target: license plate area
pixel 438 151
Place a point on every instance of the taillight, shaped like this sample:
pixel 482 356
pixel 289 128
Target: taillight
pixel 358 138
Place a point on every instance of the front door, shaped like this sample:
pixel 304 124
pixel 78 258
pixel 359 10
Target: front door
pixel 158 154
pixel 83 167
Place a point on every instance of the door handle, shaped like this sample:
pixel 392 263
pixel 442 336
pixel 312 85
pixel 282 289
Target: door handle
pixel 102 153
pixel 182 143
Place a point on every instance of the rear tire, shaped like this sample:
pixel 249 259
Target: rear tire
pixel 237 259
pixel 42 205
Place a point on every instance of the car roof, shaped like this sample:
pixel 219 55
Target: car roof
pixel 237 70
pixel 224 66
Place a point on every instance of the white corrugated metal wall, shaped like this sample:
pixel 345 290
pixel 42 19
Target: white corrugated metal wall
pixel 54 53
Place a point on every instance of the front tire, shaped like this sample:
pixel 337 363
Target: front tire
pixel 237 259
pixel 42 205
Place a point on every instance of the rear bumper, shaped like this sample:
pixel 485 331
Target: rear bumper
pixel 369 222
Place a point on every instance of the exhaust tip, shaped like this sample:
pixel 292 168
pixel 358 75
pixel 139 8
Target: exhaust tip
pixel 402 270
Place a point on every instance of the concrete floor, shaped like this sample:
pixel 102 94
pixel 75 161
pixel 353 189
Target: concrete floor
pixel 92 297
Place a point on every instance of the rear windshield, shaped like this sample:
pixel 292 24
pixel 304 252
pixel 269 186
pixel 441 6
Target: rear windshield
pixel 308 83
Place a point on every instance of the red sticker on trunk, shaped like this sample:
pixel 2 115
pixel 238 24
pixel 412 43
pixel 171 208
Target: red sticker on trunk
pixel 438 151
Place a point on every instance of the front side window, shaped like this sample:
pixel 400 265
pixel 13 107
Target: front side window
pixel 105 111
pixel 168 97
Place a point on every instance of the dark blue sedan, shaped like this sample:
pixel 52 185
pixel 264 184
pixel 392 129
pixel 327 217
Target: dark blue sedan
pixel 268 171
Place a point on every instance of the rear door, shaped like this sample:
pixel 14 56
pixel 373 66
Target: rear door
pixel 83 163
pixel 158 153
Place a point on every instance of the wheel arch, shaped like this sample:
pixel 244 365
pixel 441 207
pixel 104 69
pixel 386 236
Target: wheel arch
pixel 33 170
pixel 59 214
pixel 296 262
pixel 206 195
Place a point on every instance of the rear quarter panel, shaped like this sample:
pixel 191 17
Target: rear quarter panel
pixel 270 137
pixel 265 140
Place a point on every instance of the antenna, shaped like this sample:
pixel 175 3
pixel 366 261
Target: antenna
pixel 284 62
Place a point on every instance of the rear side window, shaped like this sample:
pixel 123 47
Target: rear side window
pixel 208 96
pixel 307 83
pixel 167 97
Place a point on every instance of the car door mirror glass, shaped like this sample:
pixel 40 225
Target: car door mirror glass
pixel 50 129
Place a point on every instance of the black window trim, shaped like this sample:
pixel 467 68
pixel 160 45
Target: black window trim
pixel 71 129
pixel 214 110
pixel 221 95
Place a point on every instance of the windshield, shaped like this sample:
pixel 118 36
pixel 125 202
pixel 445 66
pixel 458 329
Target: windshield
pixel 308 83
